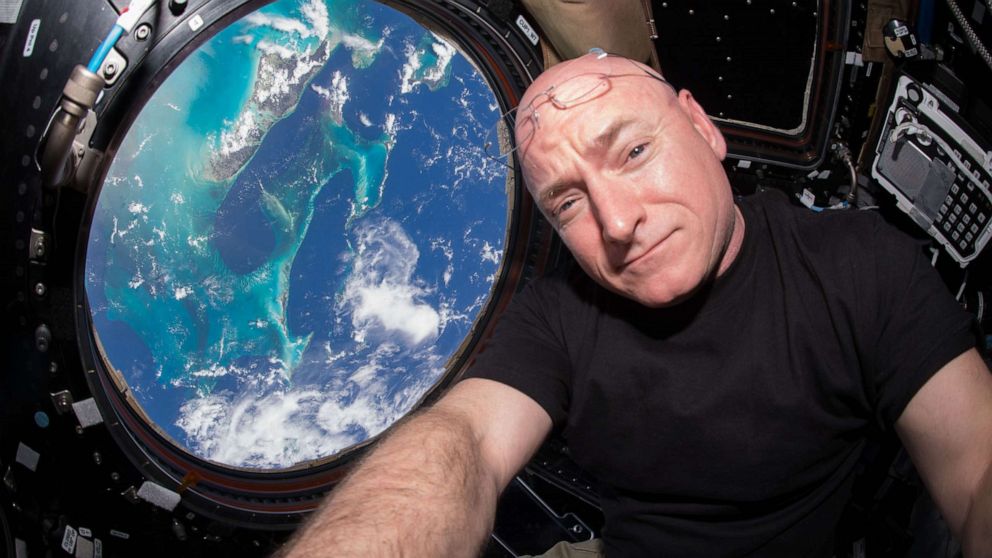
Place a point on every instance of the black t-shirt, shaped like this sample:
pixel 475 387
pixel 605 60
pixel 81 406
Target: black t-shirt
pixel 731 424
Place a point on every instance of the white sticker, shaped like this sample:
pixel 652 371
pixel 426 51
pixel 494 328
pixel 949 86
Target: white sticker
pixel 813 174
pixel 195 22
pixel 527 29
pixel 824 175
pixel 87 413
pixel 902 31
pixel 69 540
pixel 27 456
pixel 84 532
pixel 97 548
pixel 744 164
pixel 120 534
pixel 32 37
pixel 807 198
pixel 910 52
pixel 854 59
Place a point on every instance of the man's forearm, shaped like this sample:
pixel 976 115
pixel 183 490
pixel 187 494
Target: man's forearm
pixel 423 492
pixel 977 531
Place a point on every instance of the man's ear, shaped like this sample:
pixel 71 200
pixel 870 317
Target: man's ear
pixel 706 128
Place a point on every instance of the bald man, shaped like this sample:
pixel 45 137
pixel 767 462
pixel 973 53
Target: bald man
pixel 715 364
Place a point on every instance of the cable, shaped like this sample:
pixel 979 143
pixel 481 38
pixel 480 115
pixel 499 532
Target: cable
pixel 964 283
pixel 104 49
pixel 970 34
pixel 125 23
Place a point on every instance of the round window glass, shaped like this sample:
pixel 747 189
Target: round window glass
pixel 297 233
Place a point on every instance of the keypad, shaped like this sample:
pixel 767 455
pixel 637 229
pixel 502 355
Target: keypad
pixel 964 214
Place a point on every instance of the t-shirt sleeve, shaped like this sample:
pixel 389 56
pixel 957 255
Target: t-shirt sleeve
pixel 918 327
pixel 527 351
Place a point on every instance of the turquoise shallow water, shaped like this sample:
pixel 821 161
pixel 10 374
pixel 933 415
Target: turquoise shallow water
pixel 306 302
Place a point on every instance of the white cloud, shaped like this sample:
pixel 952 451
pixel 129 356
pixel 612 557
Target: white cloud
pixel 279 23
pixel 337 95
pixel 490 254
pixel 382 293
pixel 269 47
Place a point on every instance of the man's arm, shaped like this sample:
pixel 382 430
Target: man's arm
pixel 947 429
pixel 430 487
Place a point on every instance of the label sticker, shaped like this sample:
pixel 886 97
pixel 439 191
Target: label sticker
pixel 854 59
pixel 195 22
pixel 84 548
pixel 807 198
pixel 97 548
pixel 902 31
pixel 527 29
pixel 744 164
pixel 69 540
pixel 27 456
pixel 83 531
pixel 120 534
pixel 32 37
pixel 824 174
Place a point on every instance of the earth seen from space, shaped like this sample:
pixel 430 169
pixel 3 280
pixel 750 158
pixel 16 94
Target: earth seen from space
pixel 298 232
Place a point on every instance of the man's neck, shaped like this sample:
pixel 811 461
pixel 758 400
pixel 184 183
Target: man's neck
pixel 735 243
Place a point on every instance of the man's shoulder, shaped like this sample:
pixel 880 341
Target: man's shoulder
pixel 775 212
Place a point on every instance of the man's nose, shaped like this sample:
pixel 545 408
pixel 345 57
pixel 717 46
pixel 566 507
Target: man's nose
pixel 618 210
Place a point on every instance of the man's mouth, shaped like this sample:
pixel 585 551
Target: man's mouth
pixel 646 253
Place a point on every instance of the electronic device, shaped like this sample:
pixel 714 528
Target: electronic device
pixel 938 171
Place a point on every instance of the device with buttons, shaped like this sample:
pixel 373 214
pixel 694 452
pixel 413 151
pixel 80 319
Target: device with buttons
pixel 939 173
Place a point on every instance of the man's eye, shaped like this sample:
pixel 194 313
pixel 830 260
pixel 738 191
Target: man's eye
pixel 564 207
pixel 637 151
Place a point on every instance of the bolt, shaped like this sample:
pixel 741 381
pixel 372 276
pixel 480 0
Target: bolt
pixel 142 32
pixel 110 70
pixel 97 458
pixel 80 152
pixel 53 367
pixel 39 248
pixel 39 289
pixel 772 11
pixel 115 476
pixel 79 430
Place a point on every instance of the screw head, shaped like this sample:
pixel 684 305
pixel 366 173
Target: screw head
pixel 142 32
pixel 39 289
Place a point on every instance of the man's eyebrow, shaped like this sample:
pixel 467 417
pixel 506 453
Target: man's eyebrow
pixel 550 192
pixel 606 138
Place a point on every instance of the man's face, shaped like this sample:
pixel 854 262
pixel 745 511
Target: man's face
pixel 631 179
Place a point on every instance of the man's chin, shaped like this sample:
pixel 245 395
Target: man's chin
pixel 664 299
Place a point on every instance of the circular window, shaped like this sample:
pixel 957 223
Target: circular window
pixel 297 234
